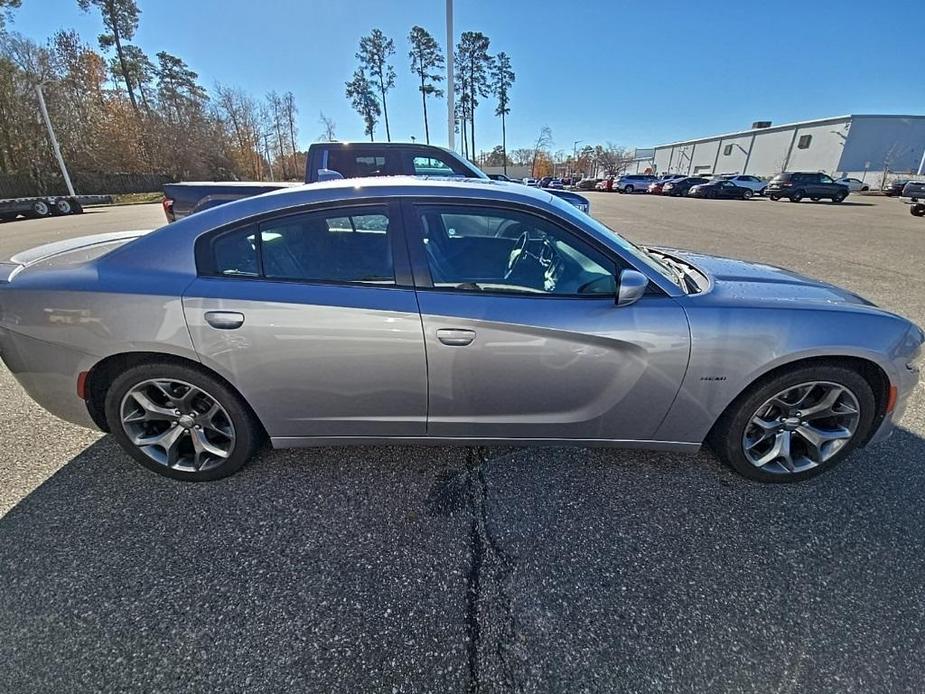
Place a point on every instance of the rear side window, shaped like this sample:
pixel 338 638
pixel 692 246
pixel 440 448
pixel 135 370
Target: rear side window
pixel 235 254
pixel 351 245
pixel 351 163
pixel 429 166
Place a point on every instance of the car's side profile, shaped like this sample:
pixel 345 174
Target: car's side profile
pixel 798 185
pixel 441 311
pixel 720 189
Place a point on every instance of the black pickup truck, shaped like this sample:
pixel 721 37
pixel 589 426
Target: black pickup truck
pixel 327 160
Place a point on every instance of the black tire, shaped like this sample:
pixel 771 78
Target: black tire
pixel 747 194
pixel 796 196
pixel 773 198
pixel 839 197
pixel 628 189
pixel 39 208
pixel 61 207
pixel 918 210
pixel 247 430
pixel 728 432
pixel 815 199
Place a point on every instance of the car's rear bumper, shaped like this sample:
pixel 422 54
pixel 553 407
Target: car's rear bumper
pixel 48 373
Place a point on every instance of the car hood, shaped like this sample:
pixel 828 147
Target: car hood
pixel 742 282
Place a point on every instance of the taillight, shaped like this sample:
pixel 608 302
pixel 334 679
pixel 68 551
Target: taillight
pixel 167 204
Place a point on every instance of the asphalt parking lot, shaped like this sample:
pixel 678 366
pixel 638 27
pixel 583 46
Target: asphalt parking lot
pixel 475 569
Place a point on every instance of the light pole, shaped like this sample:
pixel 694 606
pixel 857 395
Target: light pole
pixel 450 95
pixel 54 140
pixel 575 152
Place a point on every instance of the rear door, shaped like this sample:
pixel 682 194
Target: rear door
pixel 523 335
pixel 312 316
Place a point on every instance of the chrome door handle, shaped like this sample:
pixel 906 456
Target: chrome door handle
pixel 455 337
pixel 225 320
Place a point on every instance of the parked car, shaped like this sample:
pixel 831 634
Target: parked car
pixel 500 177
pixel 556 183
pixel 720 189
pixel 633 183
pixel 855 185
pixel 418 310
pixel 915 191
pixel 680 186
pixel 530 182
pixel 753 183
pixel 895 188
pixel 811 184
pixel 544 181
pixel 588 184
pixel 657 185
pixel 332 160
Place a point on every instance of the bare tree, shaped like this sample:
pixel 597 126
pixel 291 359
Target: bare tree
pixel 329 126
pixel 426 62
pixel 543 142
pixel 374 53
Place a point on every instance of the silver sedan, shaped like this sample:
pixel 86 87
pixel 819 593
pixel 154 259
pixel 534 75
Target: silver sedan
pixel 412 310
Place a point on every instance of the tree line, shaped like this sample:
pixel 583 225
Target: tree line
pixel 479 75
pixel 117 108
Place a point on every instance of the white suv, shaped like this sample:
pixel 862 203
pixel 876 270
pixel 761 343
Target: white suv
pixel 753 183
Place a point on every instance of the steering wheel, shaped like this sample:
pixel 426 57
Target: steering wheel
pixel 544 254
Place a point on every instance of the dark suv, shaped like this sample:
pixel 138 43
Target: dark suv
pixel 799 185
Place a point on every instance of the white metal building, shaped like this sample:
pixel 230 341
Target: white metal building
pixel 641 161
pixel 863 146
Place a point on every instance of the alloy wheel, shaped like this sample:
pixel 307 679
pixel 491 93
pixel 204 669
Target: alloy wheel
pixel 801 427
pixel 177 425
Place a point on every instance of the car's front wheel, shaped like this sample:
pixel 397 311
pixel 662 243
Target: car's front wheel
pixel 628 189
pixel 795 425
pixel 773 197
pixel 747 194
pixel 181 422
pixel 796 196
pixel 839 197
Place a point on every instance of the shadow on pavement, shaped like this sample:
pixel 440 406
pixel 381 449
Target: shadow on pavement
pixel 433 569
pixel 311 570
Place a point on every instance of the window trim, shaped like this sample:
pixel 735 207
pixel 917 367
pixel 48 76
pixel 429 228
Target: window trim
pixel 807 138
pixel 421 268
pixel 401 265
pixel 727 150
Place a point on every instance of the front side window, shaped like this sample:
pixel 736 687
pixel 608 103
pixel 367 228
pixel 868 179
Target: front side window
pixel 804 141
pixel 350 245
pixel 825 179
pixel 497 250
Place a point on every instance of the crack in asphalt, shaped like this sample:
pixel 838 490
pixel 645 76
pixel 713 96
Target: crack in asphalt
pixel 490 624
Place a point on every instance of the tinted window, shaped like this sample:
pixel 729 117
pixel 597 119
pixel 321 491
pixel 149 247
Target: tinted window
pixel 329 247
pixel 825 179
pixel 351 163
pixel 429 166
pixel 727 150
pixel 493 250
pixel 804 141
pixel 235 254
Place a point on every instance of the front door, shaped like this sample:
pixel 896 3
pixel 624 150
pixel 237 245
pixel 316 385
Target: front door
pixel 312 317
pixel 523 335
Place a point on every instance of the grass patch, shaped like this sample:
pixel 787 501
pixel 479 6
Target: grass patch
pixel 136 198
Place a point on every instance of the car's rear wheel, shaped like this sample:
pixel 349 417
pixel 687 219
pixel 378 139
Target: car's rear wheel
pixel 773 198
pixel 747 194
pixel 839 197
pixel 796 196
pixel 795 425
pixel 181 422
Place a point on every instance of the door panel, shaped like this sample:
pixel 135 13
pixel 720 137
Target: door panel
pixel 549 367
pixel 316 360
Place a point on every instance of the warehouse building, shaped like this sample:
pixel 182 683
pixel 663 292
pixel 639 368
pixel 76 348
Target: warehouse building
pixel 869 147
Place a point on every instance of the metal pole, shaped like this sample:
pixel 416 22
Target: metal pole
pixel 921 164
pixel 450 95
pixel 54 141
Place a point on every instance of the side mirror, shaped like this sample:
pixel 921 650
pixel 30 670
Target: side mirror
pixel 328 175
pixel 633 285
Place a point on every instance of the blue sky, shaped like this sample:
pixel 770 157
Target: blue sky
pixel 631 73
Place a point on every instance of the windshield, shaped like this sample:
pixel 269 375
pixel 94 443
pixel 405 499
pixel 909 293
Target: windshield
pixel 636 252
